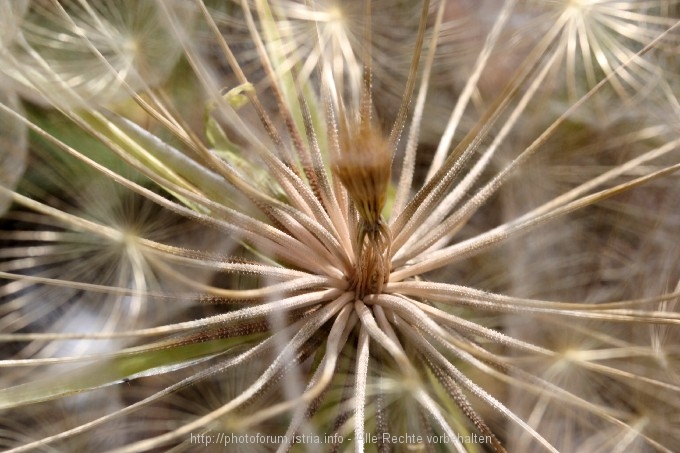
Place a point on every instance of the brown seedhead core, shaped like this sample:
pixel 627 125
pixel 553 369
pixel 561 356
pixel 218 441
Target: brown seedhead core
pixel 364 169
pixel 372 268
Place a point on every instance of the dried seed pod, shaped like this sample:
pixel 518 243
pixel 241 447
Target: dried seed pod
pixel 364 168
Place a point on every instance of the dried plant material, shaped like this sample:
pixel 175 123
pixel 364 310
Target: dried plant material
pixel 245 251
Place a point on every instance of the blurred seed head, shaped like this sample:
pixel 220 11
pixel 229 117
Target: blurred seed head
pixel 13 147
pixel 75 52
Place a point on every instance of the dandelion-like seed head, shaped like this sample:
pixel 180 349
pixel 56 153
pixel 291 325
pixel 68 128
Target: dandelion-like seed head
pixel 100 46
pixel 221 231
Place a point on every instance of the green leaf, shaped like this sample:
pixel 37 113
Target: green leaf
pixel 158 358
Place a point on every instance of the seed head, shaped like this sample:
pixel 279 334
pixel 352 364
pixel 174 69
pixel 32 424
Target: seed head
pixel 364 168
